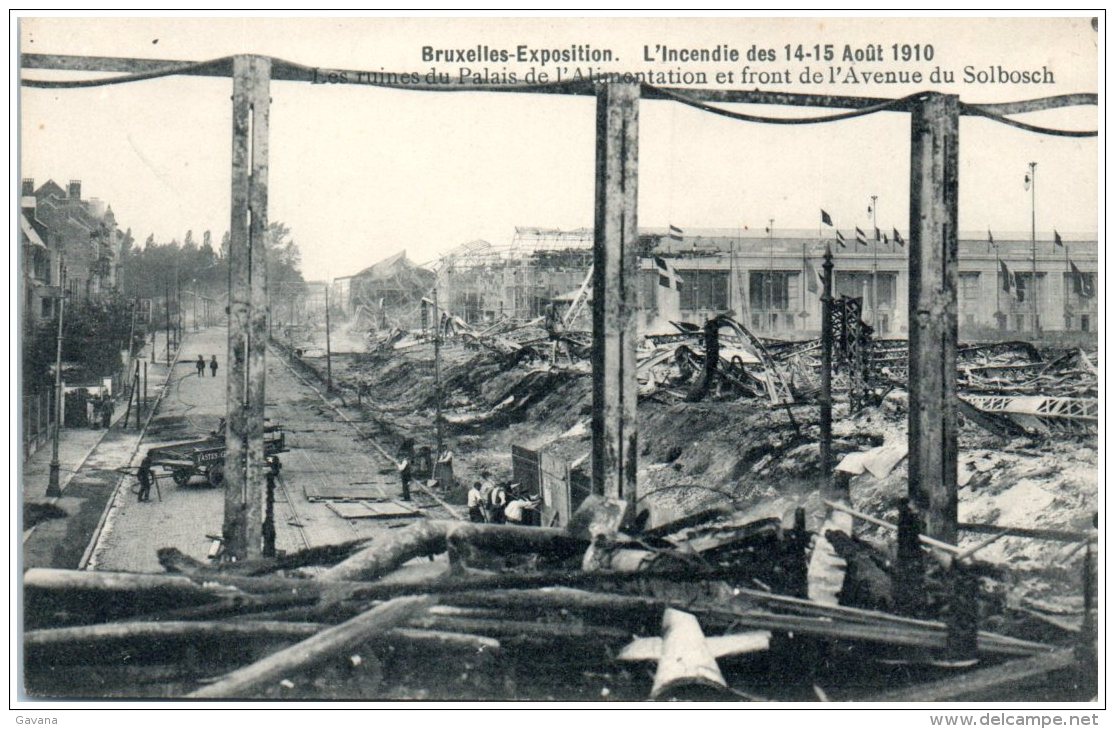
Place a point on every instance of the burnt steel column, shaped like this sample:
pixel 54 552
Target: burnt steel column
pixel 247 323
pixel 826 370
pixel 614 440
pixel 932 311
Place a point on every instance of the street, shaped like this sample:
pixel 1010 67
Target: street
pixel 326 457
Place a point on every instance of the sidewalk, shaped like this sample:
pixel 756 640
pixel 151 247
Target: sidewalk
pixel 88 460
pixel 176 516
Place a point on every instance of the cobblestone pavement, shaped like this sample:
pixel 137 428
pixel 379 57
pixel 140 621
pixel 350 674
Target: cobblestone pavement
pixel 325 454
pixel 89 460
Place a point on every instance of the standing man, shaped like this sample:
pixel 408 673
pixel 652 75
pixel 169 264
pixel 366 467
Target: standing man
pixel 200 366
pixel 144 476
pixel 213 366
pixel 497 502
pixel 475 512
pixel 106 410
pixel 404 476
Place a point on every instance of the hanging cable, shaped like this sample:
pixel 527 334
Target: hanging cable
pixel 892 105
pixel 185 68
pixel 975 110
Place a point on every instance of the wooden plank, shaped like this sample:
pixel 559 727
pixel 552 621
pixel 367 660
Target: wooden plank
pixel 614 442
pixel 985 683
pixel 933 249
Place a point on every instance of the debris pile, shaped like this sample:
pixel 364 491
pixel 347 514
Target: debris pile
pixel 748 605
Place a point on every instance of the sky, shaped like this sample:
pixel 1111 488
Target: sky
pixel 359 173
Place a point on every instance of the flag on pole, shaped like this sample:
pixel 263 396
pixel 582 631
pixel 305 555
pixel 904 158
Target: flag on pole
pixel 1008 277
pixel 886 240
pixel 990 240
pixel 861 237
pixel 1057 239
pixel 898 238
pixel 676 233
pixel 1082 284
pixel 811 277
pixel 825 218
pixel 667 275
pixel 878 234
pixel 840 239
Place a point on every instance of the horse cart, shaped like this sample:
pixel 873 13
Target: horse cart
pixel 206 456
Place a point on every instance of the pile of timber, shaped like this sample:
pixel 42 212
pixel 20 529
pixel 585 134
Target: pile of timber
pixel 713 606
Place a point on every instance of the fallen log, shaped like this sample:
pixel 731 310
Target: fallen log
pixel 172 560
pixel 102 642
pixel 462 540
pixel 466 542
pixel 392 550
pixel 55 596
pixel 244 682
pixel 99 642
pixel 522 630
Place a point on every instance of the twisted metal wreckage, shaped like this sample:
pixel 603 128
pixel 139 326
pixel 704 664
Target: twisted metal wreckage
pixel 604 579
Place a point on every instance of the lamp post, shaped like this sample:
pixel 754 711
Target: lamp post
pixel 54 487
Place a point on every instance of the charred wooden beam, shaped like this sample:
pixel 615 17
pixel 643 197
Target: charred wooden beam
pixel 247 328
pixel 248 680
pixel 614 394
pixel 985 684
pixel 932 311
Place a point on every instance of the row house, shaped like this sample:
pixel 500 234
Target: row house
pixel 58 227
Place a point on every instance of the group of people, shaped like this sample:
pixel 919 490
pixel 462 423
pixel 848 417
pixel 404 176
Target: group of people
pixel 492 503
pixel 201 366
pixel 100 410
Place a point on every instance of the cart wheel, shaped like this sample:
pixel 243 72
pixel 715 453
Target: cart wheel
pixel 216 475
pixel 182 477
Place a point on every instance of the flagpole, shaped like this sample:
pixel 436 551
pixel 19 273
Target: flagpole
pixel 732 271
pixel 804 245
pixel 770 276
pixel 1068 270
pixel 1034 244
pixel 875 265
pixel 999 316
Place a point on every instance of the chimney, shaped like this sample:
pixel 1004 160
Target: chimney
pixel 74 190
pixel 28 187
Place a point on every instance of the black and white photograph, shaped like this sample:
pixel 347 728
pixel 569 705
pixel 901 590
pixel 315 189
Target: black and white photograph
pixel 558 360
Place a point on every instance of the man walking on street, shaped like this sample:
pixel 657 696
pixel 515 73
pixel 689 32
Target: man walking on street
pixel 200 366
pixel 213 366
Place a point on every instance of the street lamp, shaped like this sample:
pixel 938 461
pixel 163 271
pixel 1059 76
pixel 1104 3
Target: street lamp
pixel 54 487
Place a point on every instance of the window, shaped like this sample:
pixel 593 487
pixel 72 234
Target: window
pixel 771 290
pixel 704 289
pixel 1080 292
pixel 1021 294
pixel 969 287
pixel 861 284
